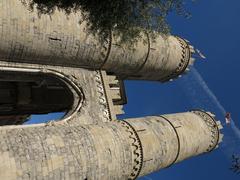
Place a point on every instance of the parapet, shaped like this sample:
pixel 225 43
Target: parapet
pixel 26 37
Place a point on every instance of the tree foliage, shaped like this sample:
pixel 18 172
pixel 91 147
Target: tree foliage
pixel 126 18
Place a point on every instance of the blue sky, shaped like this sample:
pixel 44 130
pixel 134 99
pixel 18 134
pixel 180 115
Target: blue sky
pixel 214 29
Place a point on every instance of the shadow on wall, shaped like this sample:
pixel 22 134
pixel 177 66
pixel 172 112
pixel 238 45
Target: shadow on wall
pixel 127 19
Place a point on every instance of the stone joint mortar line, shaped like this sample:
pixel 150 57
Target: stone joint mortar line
pixel 184 62
pixel 108 51
pixel 178 139
pixel 146 59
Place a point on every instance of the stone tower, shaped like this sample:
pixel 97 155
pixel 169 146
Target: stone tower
pixel 51 64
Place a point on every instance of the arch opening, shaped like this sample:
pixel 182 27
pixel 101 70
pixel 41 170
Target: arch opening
pixel 31 96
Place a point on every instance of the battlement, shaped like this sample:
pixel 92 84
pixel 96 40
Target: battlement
pixel 115 93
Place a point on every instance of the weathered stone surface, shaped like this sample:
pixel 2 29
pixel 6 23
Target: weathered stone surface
pixel 90 101
pixel 62 40
pixel 89 142
pixel 114 150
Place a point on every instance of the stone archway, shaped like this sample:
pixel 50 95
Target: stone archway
pixel 26 91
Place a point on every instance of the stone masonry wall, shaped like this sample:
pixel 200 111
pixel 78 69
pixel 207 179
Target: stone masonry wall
pixel 114 150
pixel 62 40
pixel 89 143
pixel 90 103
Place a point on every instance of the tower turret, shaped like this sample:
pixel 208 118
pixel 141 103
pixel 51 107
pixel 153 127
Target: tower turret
pixel 115 150
pixel 58 59
pixel 63 40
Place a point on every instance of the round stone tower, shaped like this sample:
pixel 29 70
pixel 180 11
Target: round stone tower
pixel 62 40
pixel 115 150
pixel 57 56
